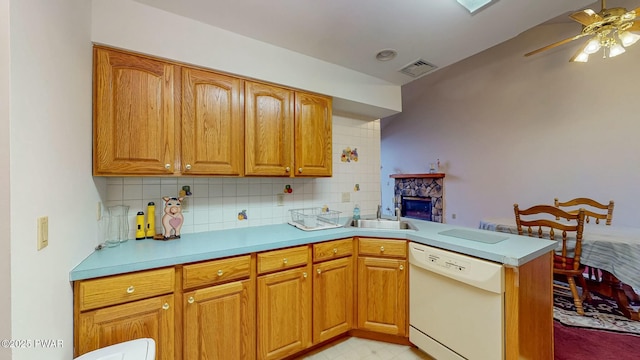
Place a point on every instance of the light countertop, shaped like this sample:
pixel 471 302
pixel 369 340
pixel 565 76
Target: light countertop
pixel 135 255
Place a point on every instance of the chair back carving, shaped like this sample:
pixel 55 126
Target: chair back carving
pixel 539 221
pixel 592 208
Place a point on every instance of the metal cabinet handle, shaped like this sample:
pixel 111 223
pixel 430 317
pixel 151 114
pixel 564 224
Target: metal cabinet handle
pixel 401 267
pixel 190 300
pixel 319 271
pixel 284 261
pixel 381 248
pixel 300 170
pixel 188 167
pixel 287 169
pixel 335 251
pixel 167 166
pixel 304 275
pixel 220 272
pixel 130 289
pixel 165 306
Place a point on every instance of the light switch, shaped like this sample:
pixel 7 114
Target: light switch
pixel 43 232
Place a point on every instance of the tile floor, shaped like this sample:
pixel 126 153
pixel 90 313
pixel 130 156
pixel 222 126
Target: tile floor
pixel 363 349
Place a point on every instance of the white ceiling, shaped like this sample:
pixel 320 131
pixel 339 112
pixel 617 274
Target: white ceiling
pixel 349 33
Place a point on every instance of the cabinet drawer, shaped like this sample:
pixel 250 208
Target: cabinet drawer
pixel 215 271
pixel 382 247
pixel 332 249
pixel 282 259
pixel 119 289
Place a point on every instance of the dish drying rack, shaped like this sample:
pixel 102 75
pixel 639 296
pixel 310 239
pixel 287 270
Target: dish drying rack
pixel 309 219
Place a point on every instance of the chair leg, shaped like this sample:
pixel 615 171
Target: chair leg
pixel 586 294
pixel 576 298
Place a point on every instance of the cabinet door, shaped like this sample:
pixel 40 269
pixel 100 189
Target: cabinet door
pixel 219 322
pixel 382 295
pixel 150 318
pixel 134 116
pixel 268 130
pixel 284 313
pixel 313 139
pixel 332 298
pixel 212 124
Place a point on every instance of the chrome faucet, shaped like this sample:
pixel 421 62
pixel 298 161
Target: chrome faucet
pixel 379 212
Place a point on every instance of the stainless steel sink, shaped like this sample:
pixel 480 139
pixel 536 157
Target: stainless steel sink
pixel 383 224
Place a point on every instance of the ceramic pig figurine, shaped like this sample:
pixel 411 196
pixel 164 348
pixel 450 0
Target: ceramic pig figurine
pixel 172 219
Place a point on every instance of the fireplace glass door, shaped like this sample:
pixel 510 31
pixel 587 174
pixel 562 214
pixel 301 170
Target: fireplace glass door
pixel 416 207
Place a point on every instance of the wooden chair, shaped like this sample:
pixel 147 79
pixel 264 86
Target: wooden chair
pixel 593 209
pixel 539 221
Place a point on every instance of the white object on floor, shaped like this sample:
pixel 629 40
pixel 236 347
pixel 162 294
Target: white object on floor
pixel 139 349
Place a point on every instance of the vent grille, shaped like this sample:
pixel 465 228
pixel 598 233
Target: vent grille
pixel 417 68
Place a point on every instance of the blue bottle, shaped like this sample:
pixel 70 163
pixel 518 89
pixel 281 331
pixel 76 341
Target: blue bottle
pixel 356 213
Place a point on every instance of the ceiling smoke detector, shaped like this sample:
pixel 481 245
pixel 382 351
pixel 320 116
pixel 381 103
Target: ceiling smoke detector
pixel 386 54
pixel 417 68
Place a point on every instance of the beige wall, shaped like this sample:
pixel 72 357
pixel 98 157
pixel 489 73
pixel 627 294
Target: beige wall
pixel 512 129
pixel 49 166
pixel 5 186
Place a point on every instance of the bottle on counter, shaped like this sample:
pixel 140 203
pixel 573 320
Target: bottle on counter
pixel 356 212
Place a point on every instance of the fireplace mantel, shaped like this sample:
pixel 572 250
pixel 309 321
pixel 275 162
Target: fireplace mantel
pixel 417 176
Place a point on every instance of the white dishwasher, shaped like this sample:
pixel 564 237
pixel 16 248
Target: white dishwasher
pixel 456 304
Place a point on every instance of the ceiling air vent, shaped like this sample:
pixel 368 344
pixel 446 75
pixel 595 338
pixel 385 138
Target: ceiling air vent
pixel 417 68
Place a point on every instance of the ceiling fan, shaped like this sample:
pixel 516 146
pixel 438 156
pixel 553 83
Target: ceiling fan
pixel 609 28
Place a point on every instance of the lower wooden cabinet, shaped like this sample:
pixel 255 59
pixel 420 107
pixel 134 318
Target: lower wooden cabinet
pixel 219 322
pixel 149 318
pixel 284 313
pixel 332 298
pixel 382 287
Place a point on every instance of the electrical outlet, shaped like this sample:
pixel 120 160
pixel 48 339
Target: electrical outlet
pixel 43 232
pixel 280 199
pixel 453 216
pixel 346 197
pixel 99 211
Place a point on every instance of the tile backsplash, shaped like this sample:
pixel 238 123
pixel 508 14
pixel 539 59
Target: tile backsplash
pixel 215 202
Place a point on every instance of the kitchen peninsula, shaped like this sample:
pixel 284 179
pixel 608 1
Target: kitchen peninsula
pixel 192 278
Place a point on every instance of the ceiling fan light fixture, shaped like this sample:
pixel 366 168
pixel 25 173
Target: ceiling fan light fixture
pixel 628 38
pixel 615 50
pixel 592 46
pixel 580 56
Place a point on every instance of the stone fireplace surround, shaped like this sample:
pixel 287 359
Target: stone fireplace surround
pixel 421 185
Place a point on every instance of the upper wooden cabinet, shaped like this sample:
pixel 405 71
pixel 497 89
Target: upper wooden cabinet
pixel 269 130
pixel 313 136
pixel 212 124
pixel 156 117
pixel 134 115
pixel 288 133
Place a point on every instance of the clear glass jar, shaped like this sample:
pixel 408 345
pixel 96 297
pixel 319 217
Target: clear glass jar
pixel 117 225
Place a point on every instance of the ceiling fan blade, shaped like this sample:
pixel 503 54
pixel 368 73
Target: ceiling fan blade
pixel 586 17
pixel 635 26
pixel 550 46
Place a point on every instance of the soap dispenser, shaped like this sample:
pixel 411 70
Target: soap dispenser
pixel 356 212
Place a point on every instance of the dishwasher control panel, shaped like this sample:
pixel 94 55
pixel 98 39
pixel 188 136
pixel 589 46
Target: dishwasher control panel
pixel 448 262
pixel 473 271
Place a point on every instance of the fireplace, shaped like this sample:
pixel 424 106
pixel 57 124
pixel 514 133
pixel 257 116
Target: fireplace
pixel 420 196
pixel 416 207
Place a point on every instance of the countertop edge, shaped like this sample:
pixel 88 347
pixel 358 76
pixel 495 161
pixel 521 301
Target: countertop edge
pixel 426 234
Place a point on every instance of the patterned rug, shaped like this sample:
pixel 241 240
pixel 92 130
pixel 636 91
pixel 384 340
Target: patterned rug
pixel 601 313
